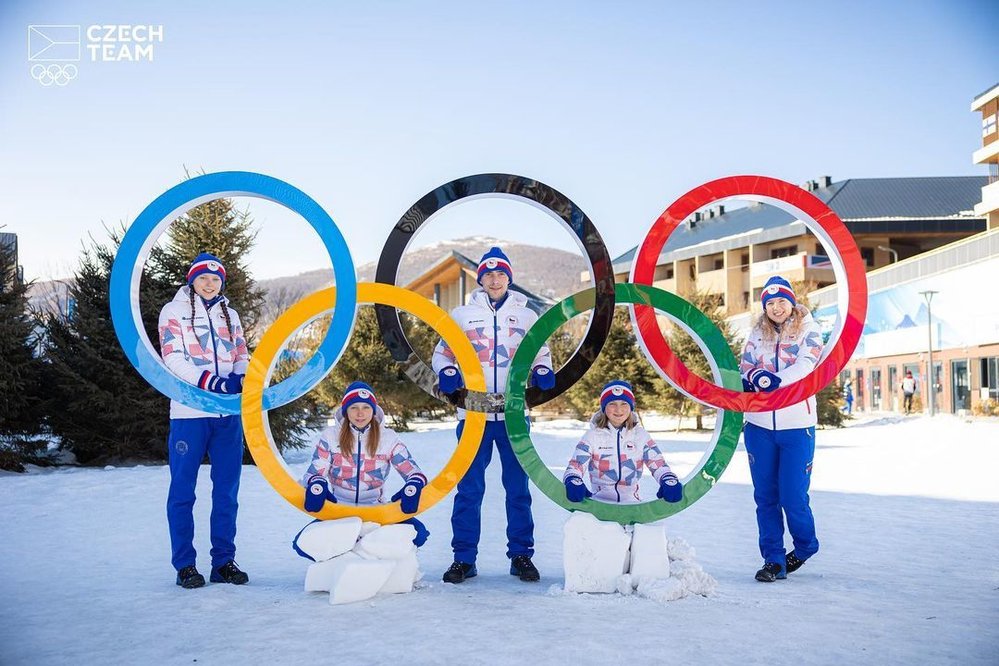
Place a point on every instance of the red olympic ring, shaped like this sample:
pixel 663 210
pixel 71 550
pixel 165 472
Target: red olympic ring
pixel 821 221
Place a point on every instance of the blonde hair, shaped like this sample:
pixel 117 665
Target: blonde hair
pixel 602 421
pixel 347 437
pixel 791 328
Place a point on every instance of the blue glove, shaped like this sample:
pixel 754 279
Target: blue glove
pixel 542 377
pixel 747 386
pixel 233 384
pixel 763 380
pixel 670 488
pixel 316 494
pixel 449 380
pixel 409 495
pixel 575 489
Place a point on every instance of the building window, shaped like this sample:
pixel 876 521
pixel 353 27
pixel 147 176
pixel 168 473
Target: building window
pixel 988 125
pixel 744 262
pixel 745 299
pixel 719 264
pixel 669 273
pixel 788 251
pixel 868 255
pixel 990 377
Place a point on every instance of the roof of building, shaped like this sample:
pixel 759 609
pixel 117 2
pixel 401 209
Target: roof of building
pixel 866 205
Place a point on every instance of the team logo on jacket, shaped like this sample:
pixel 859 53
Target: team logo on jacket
pixel 511 321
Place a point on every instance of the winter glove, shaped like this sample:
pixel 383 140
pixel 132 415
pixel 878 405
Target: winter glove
pixel 747 386
pixel 316 494
pixel 670 488
pixel 233 384
pixel 449 380
pixel 409 496
pixel 763 380
pixel 575 489
pixel 542 377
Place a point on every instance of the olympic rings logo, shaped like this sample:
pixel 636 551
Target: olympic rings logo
pixel 60 75
pixel 642 298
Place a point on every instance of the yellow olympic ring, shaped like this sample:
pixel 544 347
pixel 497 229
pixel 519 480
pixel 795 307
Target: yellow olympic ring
pixel 257 429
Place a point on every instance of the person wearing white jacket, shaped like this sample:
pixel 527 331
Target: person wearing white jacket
pixel 202 342
pixel 495 321
pixel 613 453
pixel 784 345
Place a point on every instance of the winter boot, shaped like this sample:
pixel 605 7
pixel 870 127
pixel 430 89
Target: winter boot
pixel 458 572
pixel 229 573
pixel 523 567
pixel 770 572
pixel 793 563
pixel 189 578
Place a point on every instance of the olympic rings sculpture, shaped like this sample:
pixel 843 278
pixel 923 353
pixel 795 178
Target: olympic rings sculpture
pixel 641 297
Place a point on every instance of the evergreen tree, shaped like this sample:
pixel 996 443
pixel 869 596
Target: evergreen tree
pixel 99 406
pixel 21 373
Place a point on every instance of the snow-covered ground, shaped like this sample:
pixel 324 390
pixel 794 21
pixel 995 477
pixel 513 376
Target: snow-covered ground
pixel 907 513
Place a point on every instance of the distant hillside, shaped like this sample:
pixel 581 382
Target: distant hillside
pixel 544 271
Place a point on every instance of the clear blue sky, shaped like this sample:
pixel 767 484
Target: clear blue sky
pixel 366 106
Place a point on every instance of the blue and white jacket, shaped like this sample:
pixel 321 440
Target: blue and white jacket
pixel 360 478
pixel 614 459
pixel 495 334
pixel 789 359
pixel 199 349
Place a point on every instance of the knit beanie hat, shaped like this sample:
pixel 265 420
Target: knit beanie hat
pixel 358 392
pixel 617 389
pixel 205 263
pixel 494 260
pixel 777 287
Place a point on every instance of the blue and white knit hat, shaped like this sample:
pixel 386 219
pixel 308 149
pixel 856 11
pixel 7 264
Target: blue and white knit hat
pixel 205 263
pixel 358 392
pixel 777 287
pixel 494 260
pixel 617 389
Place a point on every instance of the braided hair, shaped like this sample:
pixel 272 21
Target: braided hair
pixel 225 315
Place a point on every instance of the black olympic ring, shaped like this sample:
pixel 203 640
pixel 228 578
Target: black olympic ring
pixel 552 202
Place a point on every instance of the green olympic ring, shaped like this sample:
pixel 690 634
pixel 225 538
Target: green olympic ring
pixel 727 430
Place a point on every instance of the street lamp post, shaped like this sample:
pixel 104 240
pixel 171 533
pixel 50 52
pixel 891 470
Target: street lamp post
pixel 893 253
pixel 931 385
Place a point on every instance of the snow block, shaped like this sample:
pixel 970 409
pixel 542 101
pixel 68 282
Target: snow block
pixel 680 550
pixel 404 576
pixel 388 542
pixel 595 554
pixel 359 579
pixel 367 527
pixel 649 554
pixel 328 538
pixel 320 576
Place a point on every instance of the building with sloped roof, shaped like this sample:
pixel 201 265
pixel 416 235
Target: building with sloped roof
pixel 732 252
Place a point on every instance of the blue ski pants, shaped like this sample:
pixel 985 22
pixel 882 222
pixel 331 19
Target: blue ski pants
pixel 466 516
pixel 780 462
pixel 222 439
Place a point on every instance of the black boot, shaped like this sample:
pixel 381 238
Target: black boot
pixel 458 572
pixel 770 572
pixel 189 578
pixel 523 567
pixel 793 563
pixel 229 573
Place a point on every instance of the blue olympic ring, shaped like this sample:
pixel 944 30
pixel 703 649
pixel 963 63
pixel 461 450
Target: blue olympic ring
pixel 138 241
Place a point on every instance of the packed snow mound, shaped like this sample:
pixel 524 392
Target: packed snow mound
pixel 604 557
pixel 326 539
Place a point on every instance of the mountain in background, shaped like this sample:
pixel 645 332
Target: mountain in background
pixel 543 271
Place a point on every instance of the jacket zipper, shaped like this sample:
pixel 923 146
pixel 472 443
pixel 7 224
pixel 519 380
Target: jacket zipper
pixel 357 485
pixel 495 342
pixel 215 347
pixel 776 369
pixel 617 486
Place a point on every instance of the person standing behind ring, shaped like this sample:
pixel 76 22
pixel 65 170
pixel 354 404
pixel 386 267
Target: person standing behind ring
pixel 202 342
pixel 784 345
pixel 495 321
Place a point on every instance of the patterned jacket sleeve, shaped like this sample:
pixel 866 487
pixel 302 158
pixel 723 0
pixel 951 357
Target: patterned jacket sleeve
pixel 579 463
pixel 544 356
pixel 809 353
pixel 653 458
pixel 403 462
pixel 322 456
pixel 172 347
pixel 241 358
pixel 748 359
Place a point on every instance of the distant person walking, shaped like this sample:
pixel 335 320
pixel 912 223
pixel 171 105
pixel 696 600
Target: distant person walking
pixel 908 390
pixel 848 397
